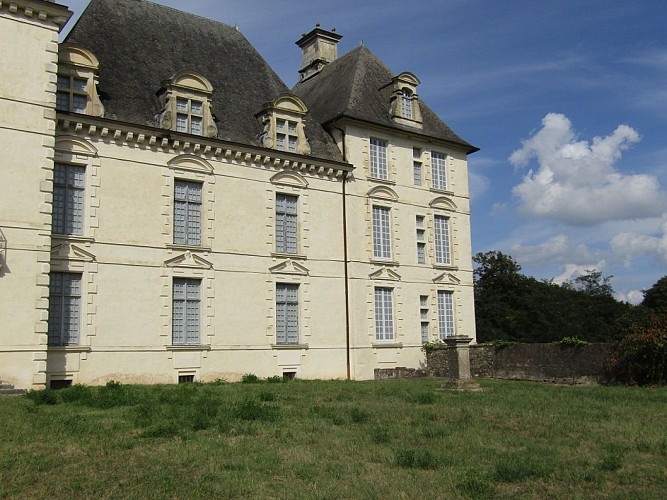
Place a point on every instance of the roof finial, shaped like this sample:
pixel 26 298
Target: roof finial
pixel 361 44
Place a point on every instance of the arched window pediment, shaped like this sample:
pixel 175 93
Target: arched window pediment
pixel 75 145
pixel 289 179
pixel 283 124
pixel 444 203
pixel 186 101
pixel 383 193
pixel 192 163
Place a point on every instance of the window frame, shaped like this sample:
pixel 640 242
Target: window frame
pixel 442 240
pixel 378 158
pixel 446 314
pixel 286 240
pixel 381 228
pixel 66 219
pixel 192 232
pixel 286 302
pixel 190 333
pixel 64 334
pixel 439 171
pixel 384 314
pixel 424 320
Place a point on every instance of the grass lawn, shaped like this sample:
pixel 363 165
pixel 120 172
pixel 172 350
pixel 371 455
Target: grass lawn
pixel 335 439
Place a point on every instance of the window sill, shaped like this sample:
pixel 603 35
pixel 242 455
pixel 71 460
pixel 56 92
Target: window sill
pixel 177 246
pixel 442 191
pixel 187 347
pixel 448 267
pixel 69 348
pixel 73 237
pixel 289 346
pixel 387 345
pixel 380 262
pixel 283 255
pixel 382 181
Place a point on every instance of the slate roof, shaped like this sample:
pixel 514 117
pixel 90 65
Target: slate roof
pixel 141 44
pixel 358 85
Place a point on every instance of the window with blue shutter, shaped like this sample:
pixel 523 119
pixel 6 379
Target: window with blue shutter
pixel 187 212
pixel 381 233
pixel 64 309
pixel 186 311
pixel 287 313
pixel 384 314
pixel 445 314
pixel 286 223
pixel 442 250
pixel 69 183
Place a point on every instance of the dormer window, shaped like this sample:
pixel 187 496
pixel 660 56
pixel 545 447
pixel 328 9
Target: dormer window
pixel 186 99
pixel 71 94
pixel 286 135
pixel 76 84
pixel 404 102
pixel 283 125
pixel 189 117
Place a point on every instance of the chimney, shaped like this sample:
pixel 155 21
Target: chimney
pixel 318 48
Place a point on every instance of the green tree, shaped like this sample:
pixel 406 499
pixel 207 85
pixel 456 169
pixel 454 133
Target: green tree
pixel 655 298
pixel 592 283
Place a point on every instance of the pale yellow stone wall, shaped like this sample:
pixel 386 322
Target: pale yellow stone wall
pixel 408 279
pixel 29 41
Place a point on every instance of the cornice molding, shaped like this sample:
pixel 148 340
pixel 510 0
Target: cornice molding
pixel 40 10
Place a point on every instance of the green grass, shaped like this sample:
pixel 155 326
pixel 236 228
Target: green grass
pixel 390 439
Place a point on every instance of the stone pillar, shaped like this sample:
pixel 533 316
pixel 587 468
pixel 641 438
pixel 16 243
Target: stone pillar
pixel 459 377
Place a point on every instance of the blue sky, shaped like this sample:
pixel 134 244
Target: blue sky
pixel 567 100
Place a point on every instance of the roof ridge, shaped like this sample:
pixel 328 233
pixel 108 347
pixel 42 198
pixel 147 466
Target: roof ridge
pixel 188 13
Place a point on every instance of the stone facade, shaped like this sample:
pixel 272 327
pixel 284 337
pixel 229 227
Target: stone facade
pixel 125 263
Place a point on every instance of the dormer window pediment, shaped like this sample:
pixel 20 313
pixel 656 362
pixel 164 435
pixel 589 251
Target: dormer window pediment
pixel 405 101
pixel 283 125
pixel 187 104
pixel 77 80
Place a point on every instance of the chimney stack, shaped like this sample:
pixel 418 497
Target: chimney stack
pixel 318 48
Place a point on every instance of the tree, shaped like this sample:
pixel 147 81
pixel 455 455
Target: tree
pixel 592 283
pixel 655 298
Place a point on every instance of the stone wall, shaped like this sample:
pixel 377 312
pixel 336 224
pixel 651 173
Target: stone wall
pixel 556 363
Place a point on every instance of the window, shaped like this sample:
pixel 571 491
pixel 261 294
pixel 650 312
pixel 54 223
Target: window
pixel 283 125
pixel 384 314
pixel 423 317
pixel 379 159
pixel 421 240
pixel 185 311
pixel 381 233
pixel 439 170
pixel 445 314
pixel 417 166
pixel 64 309
pixel 187 213
pixel 189 116
pixel 286 223
pixel 442 252
pixel 71 94
pixel 286 135
pixel 287 313
pixel 406 104
pixel 185 100
pixel 68 198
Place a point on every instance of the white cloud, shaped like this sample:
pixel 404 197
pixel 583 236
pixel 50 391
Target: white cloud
pixel 571 271
pixel 479 184
pixel 556 249
pixel 633 297
pixel 576 182
pixel 630 245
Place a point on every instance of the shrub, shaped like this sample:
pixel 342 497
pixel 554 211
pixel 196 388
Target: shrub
pixel 276 379
pixel 429 347
pixel 44 397
pixel 77 394
pixel 249 409
pixel 249 378
pixel 640 356
pixel 267 396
